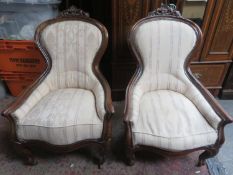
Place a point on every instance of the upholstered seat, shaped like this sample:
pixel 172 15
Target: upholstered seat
pixel 170 121
pixel 64 116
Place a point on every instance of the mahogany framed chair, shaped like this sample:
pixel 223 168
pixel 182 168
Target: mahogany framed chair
pixel 168 111
pixel 70 104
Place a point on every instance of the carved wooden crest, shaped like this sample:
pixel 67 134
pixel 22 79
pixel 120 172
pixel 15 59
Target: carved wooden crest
pixel 166 10
pixel 73 12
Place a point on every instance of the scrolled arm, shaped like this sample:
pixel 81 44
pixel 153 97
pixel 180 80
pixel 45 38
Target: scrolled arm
pixel 29 97
pixel 134 93
pixel 226 118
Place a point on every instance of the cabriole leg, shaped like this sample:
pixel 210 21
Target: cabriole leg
pixel 205 155
pixel 24 152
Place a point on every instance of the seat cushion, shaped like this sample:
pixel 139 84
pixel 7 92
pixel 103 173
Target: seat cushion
pixel 170 121
pixel 62 117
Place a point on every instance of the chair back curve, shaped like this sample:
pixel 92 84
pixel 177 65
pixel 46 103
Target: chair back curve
pixel 73 45
pixel 163 46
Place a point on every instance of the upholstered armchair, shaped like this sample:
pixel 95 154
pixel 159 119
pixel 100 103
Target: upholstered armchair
pixel 168 111
pixel 70 105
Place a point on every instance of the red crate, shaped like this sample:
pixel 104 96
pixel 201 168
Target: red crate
pixel 20 56
pixel 17 86
pixel 21 63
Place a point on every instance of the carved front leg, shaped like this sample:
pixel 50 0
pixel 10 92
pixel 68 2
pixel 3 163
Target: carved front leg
pixel 207 154
pixel 24 152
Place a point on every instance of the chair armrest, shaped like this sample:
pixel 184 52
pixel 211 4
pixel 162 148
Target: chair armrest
pixel 108 98
pixel 133 86
pixel 109 108
pixel 107 91
pixel 23 97
pixel 226 118
pixel 95 68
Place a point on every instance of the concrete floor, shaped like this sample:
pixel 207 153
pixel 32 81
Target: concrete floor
pixel 82 162
pixel 222 164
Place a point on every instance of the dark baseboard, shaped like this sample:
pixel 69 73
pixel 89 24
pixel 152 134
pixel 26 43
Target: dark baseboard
pixel 226 94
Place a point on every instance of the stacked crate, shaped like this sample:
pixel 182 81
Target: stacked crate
pixel 21 62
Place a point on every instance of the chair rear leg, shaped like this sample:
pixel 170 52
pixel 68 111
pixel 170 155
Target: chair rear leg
pixel 24 153
pixel 101 156
pixel 130 156
pixel 129 151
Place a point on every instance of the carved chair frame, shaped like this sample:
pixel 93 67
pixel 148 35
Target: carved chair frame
pixel 22 147
pixel 167 13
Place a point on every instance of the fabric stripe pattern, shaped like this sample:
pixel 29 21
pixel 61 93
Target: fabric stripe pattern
pixel 72 46
pixel 168 112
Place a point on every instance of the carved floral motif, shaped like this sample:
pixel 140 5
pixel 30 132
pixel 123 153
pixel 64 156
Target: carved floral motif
pixel 166 10
pixel 72 12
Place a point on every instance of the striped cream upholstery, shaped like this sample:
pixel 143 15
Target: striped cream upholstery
pixel 165 94
pixel 170 121
pixel 72 46
pixel 62 117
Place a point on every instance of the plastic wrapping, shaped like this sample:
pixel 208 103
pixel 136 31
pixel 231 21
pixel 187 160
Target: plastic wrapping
pixel 31 1
pixel 18 20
